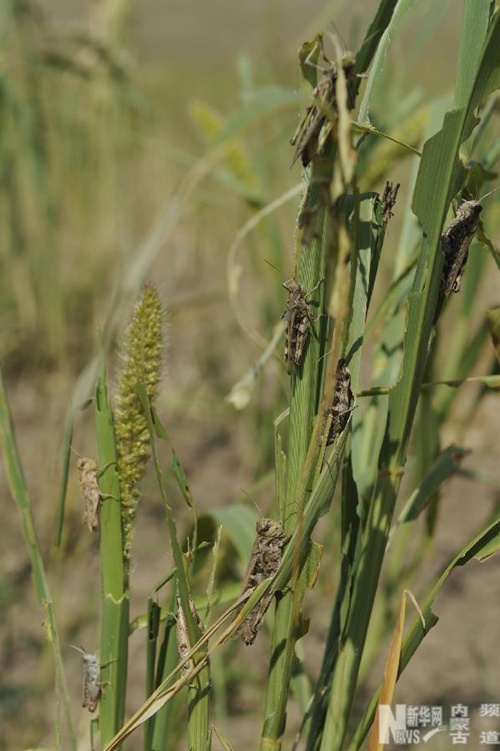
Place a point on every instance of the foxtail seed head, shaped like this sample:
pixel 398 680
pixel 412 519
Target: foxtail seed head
pixel 141 362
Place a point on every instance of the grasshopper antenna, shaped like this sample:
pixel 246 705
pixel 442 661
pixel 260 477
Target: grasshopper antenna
pixel 253 501
pixel 273 266
pixel 78 649
pixel 488 194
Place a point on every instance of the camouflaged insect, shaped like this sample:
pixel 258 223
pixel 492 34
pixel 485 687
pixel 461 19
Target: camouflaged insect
pixel 92 687
pixel 388 201
pixel 307 135
pixel 342 403
pixel 265 560
pixel 296 315
pixel 89 490
pixel 182 634
pixel 455 244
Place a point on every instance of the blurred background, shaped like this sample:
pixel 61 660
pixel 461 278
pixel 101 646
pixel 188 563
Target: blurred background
pixel 136 140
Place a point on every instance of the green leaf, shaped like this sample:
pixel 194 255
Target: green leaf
pixel 239 523
pixel 367 128
pixel 446 464
pixel 159 429
pixel 390 13
pixel 223 742
pixel 175 462
pixel 373 36
pixel 308 59
pixel 490 381
pixel 475 21
pixel 481 547
pixel 182 480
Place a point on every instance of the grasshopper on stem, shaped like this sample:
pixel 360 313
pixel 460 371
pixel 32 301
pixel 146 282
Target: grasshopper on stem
pixel 298 321
pixel 265 560
pixel 324 96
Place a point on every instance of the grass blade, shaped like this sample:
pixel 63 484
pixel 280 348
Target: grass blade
pixel 19 491
pixel 199 701
pixel 481 547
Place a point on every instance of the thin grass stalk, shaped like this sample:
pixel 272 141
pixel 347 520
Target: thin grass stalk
pixel 19 491
pixel 67 440
pixel 427 448
pixel 167 660
pixel 367 231
pixel 115 596
pixel 153 614
pixel 199 690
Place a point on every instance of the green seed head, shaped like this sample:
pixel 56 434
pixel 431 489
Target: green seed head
pixel 141 362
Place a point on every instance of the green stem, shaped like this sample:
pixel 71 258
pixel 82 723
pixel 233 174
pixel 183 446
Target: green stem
pixel 305 389
pixel 199 688
pixel 115 596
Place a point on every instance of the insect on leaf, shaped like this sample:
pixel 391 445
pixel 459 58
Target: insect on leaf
pixel 265 560
pixel 89 490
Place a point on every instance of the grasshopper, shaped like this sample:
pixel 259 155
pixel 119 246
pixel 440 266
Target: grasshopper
pixel 296 314
pixel 265 560
pixel 455 244
pixel 388 200
pixel 92 687
pixel 89 490
pixel 182 634
pixel 307 135
pixel 342 403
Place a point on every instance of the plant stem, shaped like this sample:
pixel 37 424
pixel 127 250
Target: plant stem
pixel 115 596
pixel 305 389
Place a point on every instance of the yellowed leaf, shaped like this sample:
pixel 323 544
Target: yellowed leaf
pixel 391 669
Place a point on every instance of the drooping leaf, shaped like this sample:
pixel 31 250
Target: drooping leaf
pixel 444 466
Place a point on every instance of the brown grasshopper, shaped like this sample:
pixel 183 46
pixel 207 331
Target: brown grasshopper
pixel 182 634
pixel 455 244
pixel 89 490
pixel 324 97
pixel 297 317
pixel 265 560
pixel 92 687
pixel 342 404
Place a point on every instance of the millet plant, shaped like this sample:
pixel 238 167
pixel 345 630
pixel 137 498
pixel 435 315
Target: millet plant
pixel 343 440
